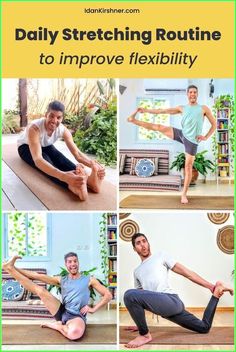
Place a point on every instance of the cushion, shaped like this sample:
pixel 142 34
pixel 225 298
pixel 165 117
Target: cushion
pixel 12 291
pixel 144 168
pixel 134 161
pixel 122 163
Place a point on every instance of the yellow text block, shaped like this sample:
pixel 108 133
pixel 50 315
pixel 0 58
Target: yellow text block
pixel 142 40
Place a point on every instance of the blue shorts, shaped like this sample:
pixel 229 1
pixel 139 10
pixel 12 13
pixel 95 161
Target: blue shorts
pixel 190 148
pixel 64 316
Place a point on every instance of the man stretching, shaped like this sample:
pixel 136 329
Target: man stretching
pixel 70 315
pixel 191 134
pixel 35 147
pixel 154 293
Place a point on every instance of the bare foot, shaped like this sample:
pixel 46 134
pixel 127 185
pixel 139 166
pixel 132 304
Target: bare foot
pixel 95 179
pixel 10 263
pixel 220 288
pixel 54 325
pixel 140 340
pixel 184 199
pixel 131 328
pixel 81 191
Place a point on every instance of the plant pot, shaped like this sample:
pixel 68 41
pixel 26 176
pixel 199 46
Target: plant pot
pixel 223 173
pixel 194 177
pixel 195 174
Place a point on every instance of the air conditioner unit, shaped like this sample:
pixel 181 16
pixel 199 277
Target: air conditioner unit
pixel 159 91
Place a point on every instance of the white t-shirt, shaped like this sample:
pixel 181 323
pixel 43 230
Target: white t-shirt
pixel 44 139
pixel 152 273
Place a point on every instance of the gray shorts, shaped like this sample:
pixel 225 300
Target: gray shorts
pixel 64 316
pixel 190 148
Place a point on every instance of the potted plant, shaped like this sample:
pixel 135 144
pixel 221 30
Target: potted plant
pixel 201 165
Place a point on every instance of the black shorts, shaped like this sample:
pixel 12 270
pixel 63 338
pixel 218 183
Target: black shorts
pixel 64 316
pixel 190 148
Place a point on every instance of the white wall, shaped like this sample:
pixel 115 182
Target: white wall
pixel 191 239
pixel 136 88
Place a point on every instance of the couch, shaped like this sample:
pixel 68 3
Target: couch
pixel 162 182
pixel 29 307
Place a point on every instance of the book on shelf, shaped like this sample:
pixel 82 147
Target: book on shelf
pixel 223 136
pixel 113 249
pixel 223 149
pixel 112 264
pixel 112 279
pixel 223 113
pixel 111 234
pixel 112 219
pixel 222 124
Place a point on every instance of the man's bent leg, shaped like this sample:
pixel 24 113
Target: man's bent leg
pixel 25 154
pixel 190 322
pixel 51 303
pixel 136 310
pixel 73 330
pixel 137 301
pixel 189 160
pixel 59 160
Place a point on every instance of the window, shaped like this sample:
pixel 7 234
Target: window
pixel 145 135
pixel 28 235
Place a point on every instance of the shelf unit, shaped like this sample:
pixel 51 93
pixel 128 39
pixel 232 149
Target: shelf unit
pixel 112 255
pixel 223 145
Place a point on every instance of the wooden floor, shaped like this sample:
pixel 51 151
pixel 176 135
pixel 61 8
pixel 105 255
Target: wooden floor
pixel 103 315
pixel 17 196
pixel 220 319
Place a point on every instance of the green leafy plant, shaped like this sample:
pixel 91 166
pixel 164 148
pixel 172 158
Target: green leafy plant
pixel 201 164
pixel 103 247
pixel 72 121
pixel 104 93
pixel 100 137
pixel 10 121
pixel 27 234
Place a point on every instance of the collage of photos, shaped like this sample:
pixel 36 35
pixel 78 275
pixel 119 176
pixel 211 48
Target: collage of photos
pixel 117 214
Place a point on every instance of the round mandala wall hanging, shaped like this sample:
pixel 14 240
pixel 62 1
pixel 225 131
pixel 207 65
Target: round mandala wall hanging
pixel 127 229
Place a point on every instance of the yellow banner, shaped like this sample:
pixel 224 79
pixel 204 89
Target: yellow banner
pixel 67 39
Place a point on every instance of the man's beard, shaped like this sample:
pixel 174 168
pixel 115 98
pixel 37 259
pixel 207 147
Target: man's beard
pixel 145 255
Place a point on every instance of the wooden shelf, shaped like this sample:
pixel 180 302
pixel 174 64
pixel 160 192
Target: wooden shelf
pixel 223 145
pixel 112 255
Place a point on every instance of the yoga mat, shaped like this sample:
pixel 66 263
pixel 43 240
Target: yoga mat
pixel 173 202
pixel 53 196
pixel 179 336
pixel 35 335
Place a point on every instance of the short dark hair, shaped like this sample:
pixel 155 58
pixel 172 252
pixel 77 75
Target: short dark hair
pixel 192 86
pixel 57 106
pixel 70 254
pixel 136 235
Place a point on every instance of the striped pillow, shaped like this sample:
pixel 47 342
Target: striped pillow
pixel 122 163
pixel 134 161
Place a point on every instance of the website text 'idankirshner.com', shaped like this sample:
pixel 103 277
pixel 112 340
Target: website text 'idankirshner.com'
pixel 103 10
